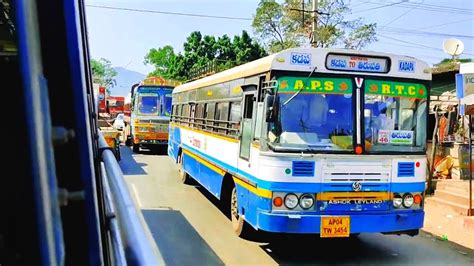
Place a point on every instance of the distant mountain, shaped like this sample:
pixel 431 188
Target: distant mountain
pixel 125 79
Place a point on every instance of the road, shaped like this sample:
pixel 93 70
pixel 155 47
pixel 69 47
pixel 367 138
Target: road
pixel 190 229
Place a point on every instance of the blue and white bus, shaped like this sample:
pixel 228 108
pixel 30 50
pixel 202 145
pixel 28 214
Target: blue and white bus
pixel 316 141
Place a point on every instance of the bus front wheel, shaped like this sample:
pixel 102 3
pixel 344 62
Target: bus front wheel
pixel 239 225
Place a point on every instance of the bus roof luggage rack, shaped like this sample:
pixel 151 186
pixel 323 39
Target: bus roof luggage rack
pixel 210 68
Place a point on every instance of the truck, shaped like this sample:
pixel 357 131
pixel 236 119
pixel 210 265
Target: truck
pixel 116 105
pixel 108 108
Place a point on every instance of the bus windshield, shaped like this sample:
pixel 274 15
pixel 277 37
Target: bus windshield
pixel 148 104
pixel 168 104
pixel 395 116
pixel 319 118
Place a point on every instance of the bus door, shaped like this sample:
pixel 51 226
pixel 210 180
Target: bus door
pixel 248 124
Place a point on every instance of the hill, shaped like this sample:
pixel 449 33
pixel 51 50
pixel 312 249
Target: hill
pixel 125 79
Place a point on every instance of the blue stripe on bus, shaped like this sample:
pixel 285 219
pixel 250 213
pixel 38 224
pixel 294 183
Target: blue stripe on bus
pixel 310 187
pixel 408 187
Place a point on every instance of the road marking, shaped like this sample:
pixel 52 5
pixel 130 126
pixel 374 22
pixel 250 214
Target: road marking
pixel 136 196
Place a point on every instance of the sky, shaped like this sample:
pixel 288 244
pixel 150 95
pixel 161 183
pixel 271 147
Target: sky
pixel 410 27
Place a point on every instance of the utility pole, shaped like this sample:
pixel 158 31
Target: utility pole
pixel 315 23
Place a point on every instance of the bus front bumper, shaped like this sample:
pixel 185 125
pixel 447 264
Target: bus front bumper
pixel 359 223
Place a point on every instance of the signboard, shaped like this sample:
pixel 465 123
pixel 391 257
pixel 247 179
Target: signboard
pixel 357 63
pixel 300 59
pixel 402 137
pixel 314 85
pixel 406 66
pixel 465 92
pixel 464 85
pixel 383 137
pixel 159 81
pixel 395 89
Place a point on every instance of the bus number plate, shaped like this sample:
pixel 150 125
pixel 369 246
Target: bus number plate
pixel 335 226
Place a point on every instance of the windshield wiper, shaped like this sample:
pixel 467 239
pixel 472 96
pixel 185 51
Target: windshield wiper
pixel 301 89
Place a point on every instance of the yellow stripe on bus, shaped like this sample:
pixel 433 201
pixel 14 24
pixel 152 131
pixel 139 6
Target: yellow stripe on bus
pixel 353 195
pixel 255 190
pixel 258 191
pixel 206 163
pixel 256 145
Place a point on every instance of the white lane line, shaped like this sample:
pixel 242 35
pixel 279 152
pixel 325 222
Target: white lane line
pixel 136 196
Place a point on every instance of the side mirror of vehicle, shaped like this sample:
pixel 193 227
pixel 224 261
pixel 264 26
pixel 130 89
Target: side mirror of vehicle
pixel 272 102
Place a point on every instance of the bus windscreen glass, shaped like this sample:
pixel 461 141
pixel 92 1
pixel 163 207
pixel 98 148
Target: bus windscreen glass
pixel 395 116
pixel 319 118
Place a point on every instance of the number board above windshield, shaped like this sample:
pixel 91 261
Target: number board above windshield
pixel 344 62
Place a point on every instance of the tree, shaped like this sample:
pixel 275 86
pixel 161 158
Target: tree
pixel 450 64
pixel 203 52
pixel 453 61
pixel 103 73
pixel 162 58
pixel 283 26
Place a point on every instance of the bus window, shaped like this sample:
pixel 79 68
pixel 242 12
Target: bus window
pixel 192 113
pixel 222 114
pixel 148 104
pixel 167 104
pixel 199 115
pixel 210 115
pixel 235 113
pixel 185 114
pixel 395 123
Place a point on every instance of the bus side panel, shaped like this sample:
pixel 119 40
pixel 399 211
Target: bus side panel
pixel 174 142
pixel 213 179
pixel 256 204
pixel 191 166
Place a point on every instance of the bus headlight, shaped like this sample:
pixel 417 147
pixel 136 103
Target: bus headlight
pixel 408 200
pixel 397 201
pixel 291 201
pixel 306 201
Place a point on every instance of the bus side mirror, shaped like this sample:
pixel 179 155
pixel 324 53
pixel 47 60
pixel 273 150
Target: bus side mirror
pixel 272 102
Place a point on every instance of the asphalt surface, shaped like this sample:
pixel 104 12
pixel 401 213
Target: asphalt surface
pixel 190 229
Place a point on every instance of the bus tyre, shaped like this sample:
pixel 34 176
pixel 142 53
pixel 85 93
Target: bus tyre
pixel 183 176
pixel 239 225
pixel 136 147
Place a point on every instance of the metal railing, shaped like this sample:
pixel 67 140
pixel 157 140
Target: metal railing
pixel 210 68
pixel 210 125
pixel 130 239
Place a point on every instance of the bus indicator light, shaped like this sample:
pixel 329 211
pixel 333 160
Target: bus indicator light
pixel 277 201
pixel 417 199
pixel 358 150
pixel 417 164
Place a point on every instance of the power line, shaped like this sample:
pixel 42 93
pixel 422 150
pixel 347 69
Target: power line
pixel 403 14
pixel 403 31
pixel 373 8
pixel 404 45
pixel 416 44
pixel 447 23
pixel 419 45
pixel 426 7
pixel 168 13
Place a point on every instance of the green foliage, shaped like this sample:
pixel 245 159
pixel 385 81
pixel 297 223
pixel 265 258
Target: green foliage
pixel 103 73
pixel 202 52
pixel 448 61
pixel 282 26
